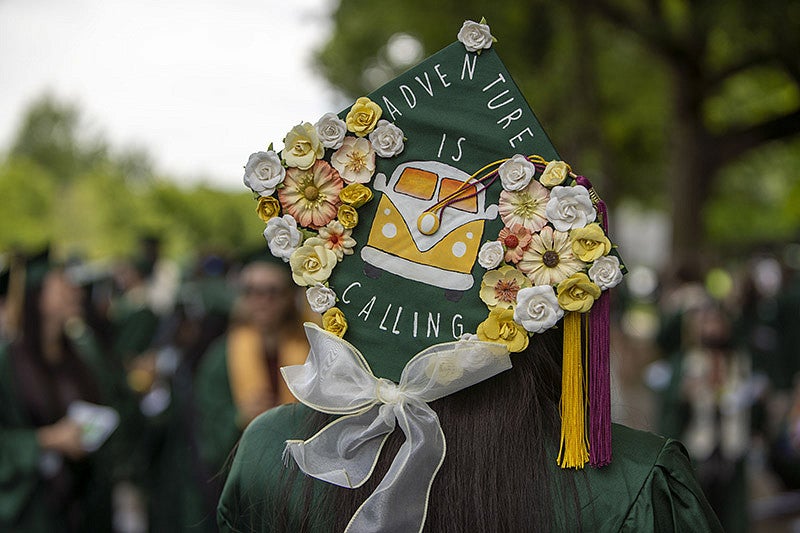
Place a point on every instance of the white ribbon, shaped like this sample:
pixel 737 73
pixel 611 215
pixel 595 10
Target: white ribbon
pixel 336 379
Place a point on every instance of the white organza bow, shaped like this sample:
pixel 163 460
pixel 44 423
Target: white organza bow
pixel 336 379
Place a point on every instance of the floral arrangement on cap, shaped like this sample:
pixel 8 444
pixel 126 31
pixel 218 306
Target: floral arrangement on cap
pixel 552 256
pixel 310 205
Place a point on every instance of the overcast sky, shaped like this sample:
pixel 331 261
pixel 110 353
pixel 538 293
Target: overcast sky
pixel 200 84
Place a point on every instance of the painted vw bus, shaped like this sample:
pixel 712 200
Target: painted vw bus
pixel 441 254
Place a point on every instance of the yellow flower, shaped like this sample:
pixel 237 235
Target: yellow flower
pixel 334 321
pixel 500 287
pixel 577 293
pixel 268 207
pixel 500 327
pixel 589 242
pixel 355 195
pixel 363 116
pixel 554 173
pixel 312 263
pixel 302 146
pixel 348 216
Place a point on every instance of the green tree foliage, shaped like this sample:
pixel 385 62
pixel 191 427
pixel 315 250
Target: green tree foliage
pixel 688 106
pixel 63 187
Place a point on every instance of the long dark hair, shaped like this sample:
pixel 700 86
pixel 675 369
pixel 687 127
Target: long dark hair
pixel 38 380
pixel 499 474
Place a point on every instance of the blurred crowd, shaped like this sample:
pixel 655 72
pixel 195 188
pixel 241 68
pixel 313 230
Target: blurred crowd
pixel 187 357
pixel 726 383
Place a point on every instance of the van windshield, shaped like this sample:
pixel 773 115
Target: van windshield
pixel 468 195
pixel 417 183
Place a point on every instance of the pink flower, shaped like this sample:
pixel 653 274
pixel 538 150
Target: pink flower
pixel 311 196
pixel 355 160
pixel 516 241
pixel 337 239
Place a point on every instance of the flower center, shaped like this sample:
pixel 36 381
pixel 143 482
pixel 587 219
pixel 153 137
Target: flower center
pixel 507 331
pixel 525 205
pixel 311 193
pixel 511 241
pixel 550 259
pixel 358 160
pixel 506 290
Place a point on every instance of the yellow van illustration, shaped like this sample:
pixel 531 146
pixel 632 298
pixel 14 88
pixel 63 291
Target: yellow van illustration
pixel 444 255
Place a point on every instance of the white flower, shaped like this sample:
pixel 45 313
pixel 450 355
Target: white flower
pixel 282 236
pixel 264 172
pixel 516 173
pixel 570 207
pixel 387 139
pixel 606 272
pixel 475 36
pixel 331 130
pixel 491 254
pixel 537 308
pixel 320 298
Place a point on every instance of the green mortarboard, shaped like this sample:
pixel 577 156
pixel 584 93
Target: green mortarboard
pixel 436 209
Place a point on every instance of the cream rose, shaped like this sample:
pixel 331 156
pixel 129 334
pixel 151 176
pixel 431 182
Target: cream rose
pixel 331 130
pixel 570 208
pixel 537 309
pixel 387 139
pixel 606 272
pixel 302 146
pixel 554 173
pixel 282 236
pixel 320 298
pixel 516 173
pixel 491 254
pixel 475 36
pixel 264 172
pixel 312 263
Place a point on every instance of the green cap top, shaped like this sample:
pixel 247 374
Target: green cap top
pixel 421 210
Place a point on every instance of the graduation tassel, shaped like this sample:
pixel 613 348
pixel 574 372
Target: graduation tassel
pixel 599 356
pixel 599 384
pixel 573 452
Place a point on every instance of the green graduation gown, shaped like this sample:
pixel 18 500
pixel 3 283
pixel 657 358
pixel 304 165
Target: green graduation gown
pixel 649 486
pixel 23 495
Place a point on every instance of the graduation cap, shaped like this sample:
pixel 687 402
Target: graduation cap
pixel 433 221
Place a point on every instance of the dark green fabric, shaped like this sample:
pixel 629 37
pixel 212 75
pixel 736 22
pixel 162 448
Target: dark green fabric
pixel 134 326
pixel 456 108
pixel 182 490
pixel 650 485
pixel 217 427
pixel 22 493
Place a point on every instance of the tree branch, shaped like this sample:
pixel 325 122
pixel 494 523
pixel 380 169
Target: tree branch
pixel 733 144
pixel 653 33
pixel 745 63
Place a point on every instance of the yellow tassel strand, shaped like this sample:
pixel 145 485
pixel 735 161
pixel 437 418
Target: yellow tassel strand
pixel 574 450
